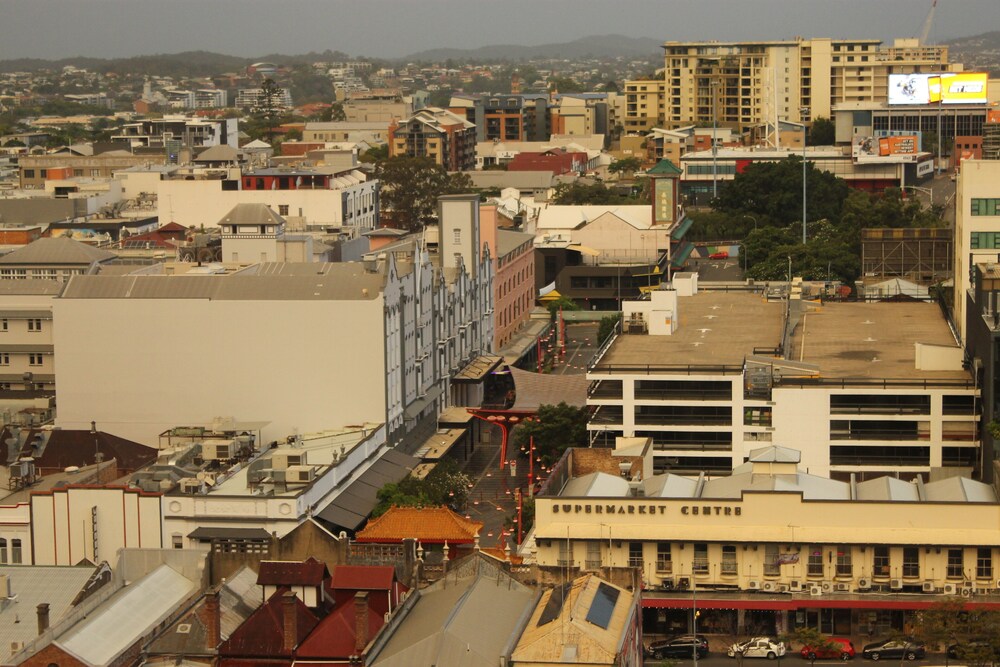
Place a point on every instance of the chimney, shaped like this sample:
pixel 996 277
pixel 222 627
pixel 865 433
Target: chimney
pixel 43 617
pixel 213 622
pixel 360 621
pixel 290 617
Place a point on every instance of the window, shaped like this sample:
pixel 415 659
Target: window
pixel 984 206
pixel 3 551
pixel 635 554
pixel 29 173
pixel 4 359
pixel 177 541
pixel 729 560
pixel 984 563
pixel 565 554
pixel 700 563
pixel 663 562
pixel 43 173
pixel 880 564
pixel 34 324
pixel 772 567
pixel 282 209
pixel 593 555
pixel 984 240
pixel 911 562
pixel 3 324
pixel 955 570
pixel 34 359
pixel 15 551
pixel 458 235
pixel 844 567
pixel 814 565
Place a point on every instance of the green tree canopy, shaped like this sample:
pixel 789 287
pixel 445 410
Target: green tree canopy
pixel 822 133
pixel 597 193
pixel 555 428
pixel 445 485
pixel 411 187
pixel 625 165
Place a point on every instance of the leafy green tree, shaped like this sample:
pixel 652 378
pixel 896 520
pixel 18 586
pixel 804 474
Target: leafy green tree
pixel 774 190
pixel 375 154
pixel 445 485
pixel 562 303
pixel 564 84
pixel 625 165
pixel 411 187
pixel 822 133
pixel 577 193
pixel 555 428
pixel 975 633
pixel 269 109
pixel 607 327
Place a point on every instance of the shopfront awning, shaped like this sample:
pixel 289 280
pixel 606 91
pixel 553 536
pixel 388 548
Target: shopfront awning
pixel 353 505
pixel 584 250
pixel 476 370
pixel 652 600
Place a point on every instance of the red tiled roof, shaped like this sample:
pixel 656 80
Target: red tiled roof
pixel 334 636
pixel 309 572
pixel 261 635
pixel 427 524
pixel 363 577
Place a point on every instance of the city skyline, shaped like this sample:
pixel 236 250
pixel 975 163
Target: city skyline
pixel 57 29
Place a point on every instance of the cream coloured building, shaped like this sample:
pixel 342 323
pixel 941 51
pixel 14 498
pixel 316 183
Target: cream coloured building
pixel 977 227
pixel 843 553
pixel 756 82
pixel 865 388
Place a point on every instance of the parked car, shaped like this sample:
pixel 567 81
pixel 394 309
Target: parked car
pixel 758 647
pixel 839 648
pixel 722 254
pixel 894 649
pixel 974 649
pixel 683 646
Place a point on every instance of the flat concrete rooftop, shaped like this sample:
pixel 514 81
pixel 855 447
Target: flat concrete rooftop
pixel 714 328
pixel 844 339
pixel 871 340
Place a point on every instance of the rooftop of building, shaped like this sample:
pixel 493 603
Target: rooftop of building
pixel 715 328
pixel 841 339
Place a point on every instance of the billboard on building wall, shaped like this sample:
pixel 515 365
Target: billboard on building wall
pixel 941 87
pixel 993 116
pixel 894 148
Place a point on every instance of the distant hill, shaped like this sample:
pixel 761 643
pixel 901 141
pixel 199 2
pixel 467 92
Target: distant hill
pixel 979 52
pixel 186 64
pixel 597 46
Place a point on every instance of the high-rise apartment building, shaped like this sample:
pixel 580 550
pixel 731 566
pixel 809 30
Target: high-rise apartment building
pixel 743 84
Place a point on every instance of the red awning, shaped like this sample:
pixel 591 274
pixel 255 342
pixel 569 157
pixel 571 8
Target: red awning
pixel 818 602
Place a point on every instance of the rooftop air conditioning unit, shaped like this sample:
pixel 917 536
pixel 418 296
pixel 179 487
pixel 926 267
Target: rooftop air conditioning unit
pixel 190 485
pixel 769 586
pixel 827 586
pixel 782 588
pixel 218 450
pixel 815 589
pixel 896 584
pixel 684 584
pixel 864 583
pixel 753 585
pixel 300 474
pixel 795 586
pixel 928 587
pixel 843 588
pixel 968 592
pixel 950 589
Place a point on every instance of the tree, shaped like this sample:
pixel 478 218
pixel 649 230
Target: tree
pixel 411 187
pixel 562 303
pixel 975 633
pixel 822 133
pixel 577 193
pixel 564 84
pixel 625 165
pixel 269 107
pixel 554 429
pixel 607 327
pixel 445 485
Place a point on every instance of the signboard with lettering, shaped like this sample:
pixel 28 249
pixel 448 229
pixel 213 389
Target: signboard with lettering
pixel 644 508
pixel 935 88
pixel 663 197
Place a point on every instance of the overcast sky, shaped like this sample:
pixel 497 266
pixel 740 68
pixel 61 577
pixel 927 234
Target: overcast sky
pixel 392 28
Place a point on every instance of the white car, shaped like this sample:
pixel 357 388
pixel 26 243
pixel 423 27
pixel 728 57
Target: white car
pixel 758 647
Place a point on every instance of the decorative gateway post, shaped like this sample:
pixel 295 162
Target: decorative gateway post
pixel 669 222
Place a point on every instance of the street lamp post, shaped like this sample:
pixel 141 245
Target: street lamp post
pixel 803 112
pixel 746 255
pixel 715 148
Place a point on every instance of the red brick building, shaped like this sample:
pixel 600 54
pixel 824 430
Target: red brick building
pixel 557 160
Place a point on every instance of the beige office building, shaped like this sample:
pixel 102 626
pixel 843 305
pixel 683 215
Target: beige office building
pixel 742 84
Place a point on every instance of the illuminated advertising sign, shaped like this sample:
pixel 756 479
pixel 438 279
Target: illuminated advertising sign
pixel 943 88
pixel 895 148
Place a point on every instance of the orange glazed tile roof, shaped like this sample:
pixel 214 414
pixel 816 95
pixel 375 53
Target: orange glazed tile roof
pixel 426 524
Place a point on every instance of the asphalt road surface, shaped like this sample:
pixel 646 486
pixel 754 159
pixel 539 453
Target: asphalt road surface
pixel 791 660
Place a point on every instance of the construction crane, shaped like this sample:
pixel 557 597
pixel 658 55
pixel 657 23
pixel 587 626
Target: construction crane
pixel 926 32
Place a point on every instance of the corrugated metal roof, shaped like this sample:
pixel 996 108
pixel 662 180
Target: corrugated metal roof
pixel 127 616
pixel 251 214
pixel 34 585
pixel 349 282
pixel 59 250
pixel 31 286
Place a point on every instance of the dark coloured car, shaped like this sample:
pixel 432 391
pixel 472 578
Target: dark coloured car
pixel 975 651
pixel 894 649
pixel 683 646
pixel 839 648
